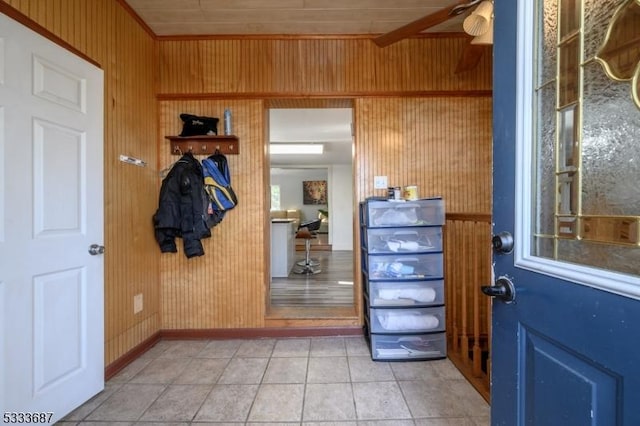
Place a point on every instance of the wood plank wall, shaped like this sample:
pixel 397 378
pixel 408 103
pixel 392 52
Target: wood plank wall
pixel 106 33
pixel 415 121
pixel 225 288
pixel 442 145
pixel 318 66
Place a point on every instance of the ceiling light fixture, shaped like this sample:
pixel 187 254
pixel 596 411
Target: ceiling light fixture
pixel 486 38
pixel 479 23
pixel 296 148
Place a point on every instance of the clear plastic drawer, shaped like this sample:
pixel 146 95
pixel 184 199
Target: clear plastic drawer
pixel 405 347
pixel 407 320
pixel 402 267
pixel 387 213
pixel 403 240
pixel 405 293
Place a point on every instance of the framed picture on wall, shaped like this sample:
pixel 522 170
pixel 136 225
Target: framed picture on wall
pixel 314 192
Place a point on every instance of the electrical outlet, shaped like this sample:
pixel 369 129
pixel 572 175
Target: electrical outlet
pixel 137 303
pixel 379 182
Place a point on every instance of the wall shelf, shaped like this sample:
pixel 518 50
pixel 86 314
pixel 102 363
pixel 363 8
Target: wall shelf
pixel 204 145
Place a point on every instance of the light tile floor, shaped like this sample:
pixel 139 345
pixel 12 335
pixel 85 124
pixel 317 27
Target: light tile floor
pixel 296 381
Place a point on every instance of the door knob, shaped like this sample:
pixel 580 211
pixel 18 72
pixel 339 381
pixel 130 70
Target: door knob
pixel 503 242
pixel 96 249
pixel 503 289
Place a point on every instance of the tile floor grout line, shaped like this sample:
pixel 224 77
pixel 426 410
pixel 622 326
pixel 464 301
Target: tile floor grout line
pixel 406 402
pixel 195 413
pixel 353 396
pixel 259 384
pixel 166 388
pixel 167 385
pixel 304 388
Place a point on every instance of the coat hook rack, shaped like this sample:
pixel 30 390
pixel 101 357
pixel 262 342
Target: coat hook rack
pixel 204 145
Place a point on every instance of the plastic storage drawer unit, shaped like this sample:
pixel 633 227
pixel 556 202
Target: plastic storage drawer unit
pixel 418 320
pixel 404 347
pixel 377 214
pixel 403 278
pixel 405 293
pixel 402 267
pixel 403 240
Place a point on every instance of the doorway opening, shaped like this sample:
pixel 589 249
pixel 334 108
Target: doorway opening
pixel 312 274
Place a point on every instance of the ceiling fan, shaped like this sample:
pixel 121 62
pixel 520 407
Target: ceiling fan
pixel 478 24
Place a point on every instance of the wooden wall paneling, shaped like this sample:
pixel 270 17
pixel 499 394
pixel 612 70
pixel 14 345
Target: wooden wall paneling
pixel 287 76
pixel 309 103
pixel 225 288
pixel 412 140
pixel 316 66
pixel 104 32
pixel 132 189
pixel 440 144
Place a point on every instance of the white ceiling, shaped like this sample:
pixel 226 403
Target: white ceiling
pixel 329 126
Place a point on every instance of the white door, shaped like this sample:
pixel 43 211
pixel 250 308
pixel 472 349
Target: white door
pixel 51 211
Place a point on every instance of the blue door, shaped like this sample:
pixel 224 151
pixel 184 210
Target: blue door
pixel 566 350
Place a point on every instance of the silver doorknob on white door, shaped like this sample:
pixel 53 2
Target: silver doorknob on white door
pixel 96 249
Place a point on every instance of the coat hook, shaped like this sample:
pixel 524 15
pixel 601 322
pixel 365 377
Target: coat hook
pixel 177 149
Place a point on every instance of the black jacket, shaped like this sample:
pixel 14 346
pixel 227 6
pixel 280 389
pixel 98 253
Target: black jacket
pixel 182 208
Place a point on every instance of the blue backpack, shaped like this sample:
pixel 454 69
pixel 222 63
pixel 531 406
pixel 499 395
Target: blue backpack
pixel 217 185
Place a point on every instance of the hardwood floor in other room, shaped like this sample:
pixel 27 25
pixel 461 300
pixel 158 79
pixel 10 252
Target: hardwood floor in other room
pixel 333 286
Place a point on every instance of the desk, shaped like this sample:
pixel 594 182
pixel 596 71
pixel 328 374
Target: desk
pixel 283 247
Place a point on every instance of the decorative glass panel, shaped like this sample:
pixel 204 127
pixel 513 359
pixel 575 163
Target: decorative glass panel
pixel 597 15
pixel 568 139
pixel 567 227
pixel 569 77
pixel 569 17
pixel 620 52
pixel 610 147
pixel 568 194
pixel 544 247
pixel 612 257
pixel 549 42
pixel 546 178
pixel 587 128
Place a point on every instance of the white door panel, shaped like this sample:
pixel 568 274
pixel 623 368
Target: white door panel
pixel 59 302
pixel 51 211
pixel 58 85
pixel 59 176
